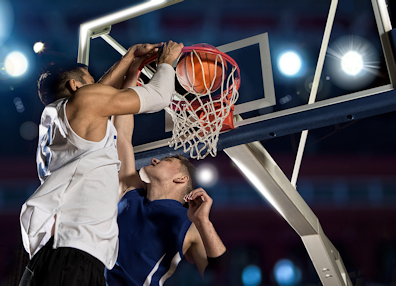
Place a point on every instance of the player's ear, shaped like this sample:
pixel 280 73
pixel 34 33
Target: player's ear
pixel 74 84
pixel 182 179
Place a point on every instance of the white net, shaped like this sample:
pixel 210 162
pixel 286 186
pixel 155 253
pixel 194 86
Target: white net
pixel 211 90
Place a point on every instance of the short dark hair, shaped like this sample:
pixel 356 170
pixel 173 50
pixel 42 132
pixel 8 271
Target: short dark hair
pixel 189 169
pixel 52 83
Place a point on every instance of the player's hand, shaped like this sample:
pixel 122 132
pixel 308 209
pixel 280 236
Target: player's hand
pixel 169 52
pixel 144 49
pixel 199 205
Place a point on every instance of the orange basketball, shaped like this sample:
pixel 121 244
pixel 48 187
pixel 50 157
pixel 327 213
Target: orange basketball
pixel 198 78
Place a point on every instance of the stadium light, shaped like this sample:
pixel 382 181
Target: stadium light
pixel 352 63
pixel 290 63
pixel 38 47
pixel 16 64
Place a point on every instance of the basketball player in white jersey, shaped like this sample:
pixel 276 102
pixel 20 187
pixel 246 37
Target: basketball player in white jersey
pixel 69 224
pixel 155 230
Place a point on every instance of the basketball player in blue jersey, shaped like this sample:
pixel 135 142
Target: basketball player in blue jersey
pixel 69 225
pixel 155 230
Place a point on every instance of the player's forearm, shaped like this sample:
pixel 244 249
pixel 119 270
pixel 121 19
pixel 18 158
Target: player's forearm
pixel 157 94
pixel 115 75
pixel 130 81
pixel 131 76
pixel 128 176
pixel 214 246
pixel 124 125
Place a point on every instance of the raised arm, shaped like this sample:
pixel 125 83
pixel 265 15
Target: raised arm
pixel 103 100
pixel 128 176
pixel 202 238
pixel 90 106
pixel 115 75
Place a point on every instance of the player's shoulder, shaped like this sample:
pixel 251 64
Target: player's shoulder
pixel 91 91
pixel 88 96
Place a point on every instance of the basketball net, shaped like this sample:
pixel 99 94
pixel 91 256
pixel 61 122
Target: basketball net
pixel 199 117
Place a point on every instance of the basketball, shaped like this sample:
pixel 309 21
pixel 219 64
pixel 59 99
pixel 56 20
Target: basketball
pixel 196 77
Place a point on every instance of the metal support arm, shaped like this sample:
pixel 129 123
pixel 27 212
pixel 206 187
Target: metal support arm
pixel 101 26
pixel 263 172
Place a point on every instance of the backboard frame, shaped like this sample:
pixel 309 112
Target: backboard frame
pixel 101 28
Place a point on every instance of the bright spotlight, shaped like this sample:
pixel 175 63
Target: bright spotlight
pixel 251 276
pixel 289 63
pixel 38 47
pixel 16 64
pixel 206 175
pixel 352 63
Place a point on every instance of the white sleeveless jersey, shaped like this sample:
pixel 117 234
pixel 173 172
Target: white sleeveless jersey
pixel 78 193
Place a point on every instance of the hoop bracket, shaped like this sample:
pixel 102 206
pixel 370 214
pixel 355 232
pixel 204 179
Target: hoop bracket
pixel 95 33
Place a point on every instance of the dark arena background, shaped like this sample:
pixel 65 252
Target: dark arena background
pixel 348 172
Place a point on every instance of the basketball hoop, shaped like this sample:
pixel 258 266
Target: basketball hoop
pixel 202 106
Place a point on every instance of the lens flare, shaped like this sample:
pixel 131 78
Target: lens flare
pixel 207 175
pixel 352 62
pixel 251 276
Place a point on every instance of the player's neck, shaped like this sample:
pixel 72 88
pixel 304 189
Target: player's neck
pixel 156 191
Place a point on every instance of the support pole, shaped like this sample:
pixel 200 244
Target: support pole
pixel 263 172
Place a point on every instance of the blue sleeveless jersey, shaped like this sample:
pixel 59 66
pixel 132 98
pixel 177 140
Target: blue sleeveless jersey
pixel 151 236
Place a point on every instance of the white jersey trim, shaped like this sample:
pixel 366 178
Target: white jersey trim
pixel 150 276
pixel 175 261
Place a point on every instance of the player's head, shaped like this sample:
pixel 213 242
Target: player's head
pixel 55 81
pixel 189 170
pixel 173 169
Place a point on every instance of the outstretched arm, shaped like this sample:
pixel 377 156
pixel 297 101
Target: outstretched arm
pixel 128 176
pixel 90 106
pixel 204 241
pixel 103 100
pixel 115 75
